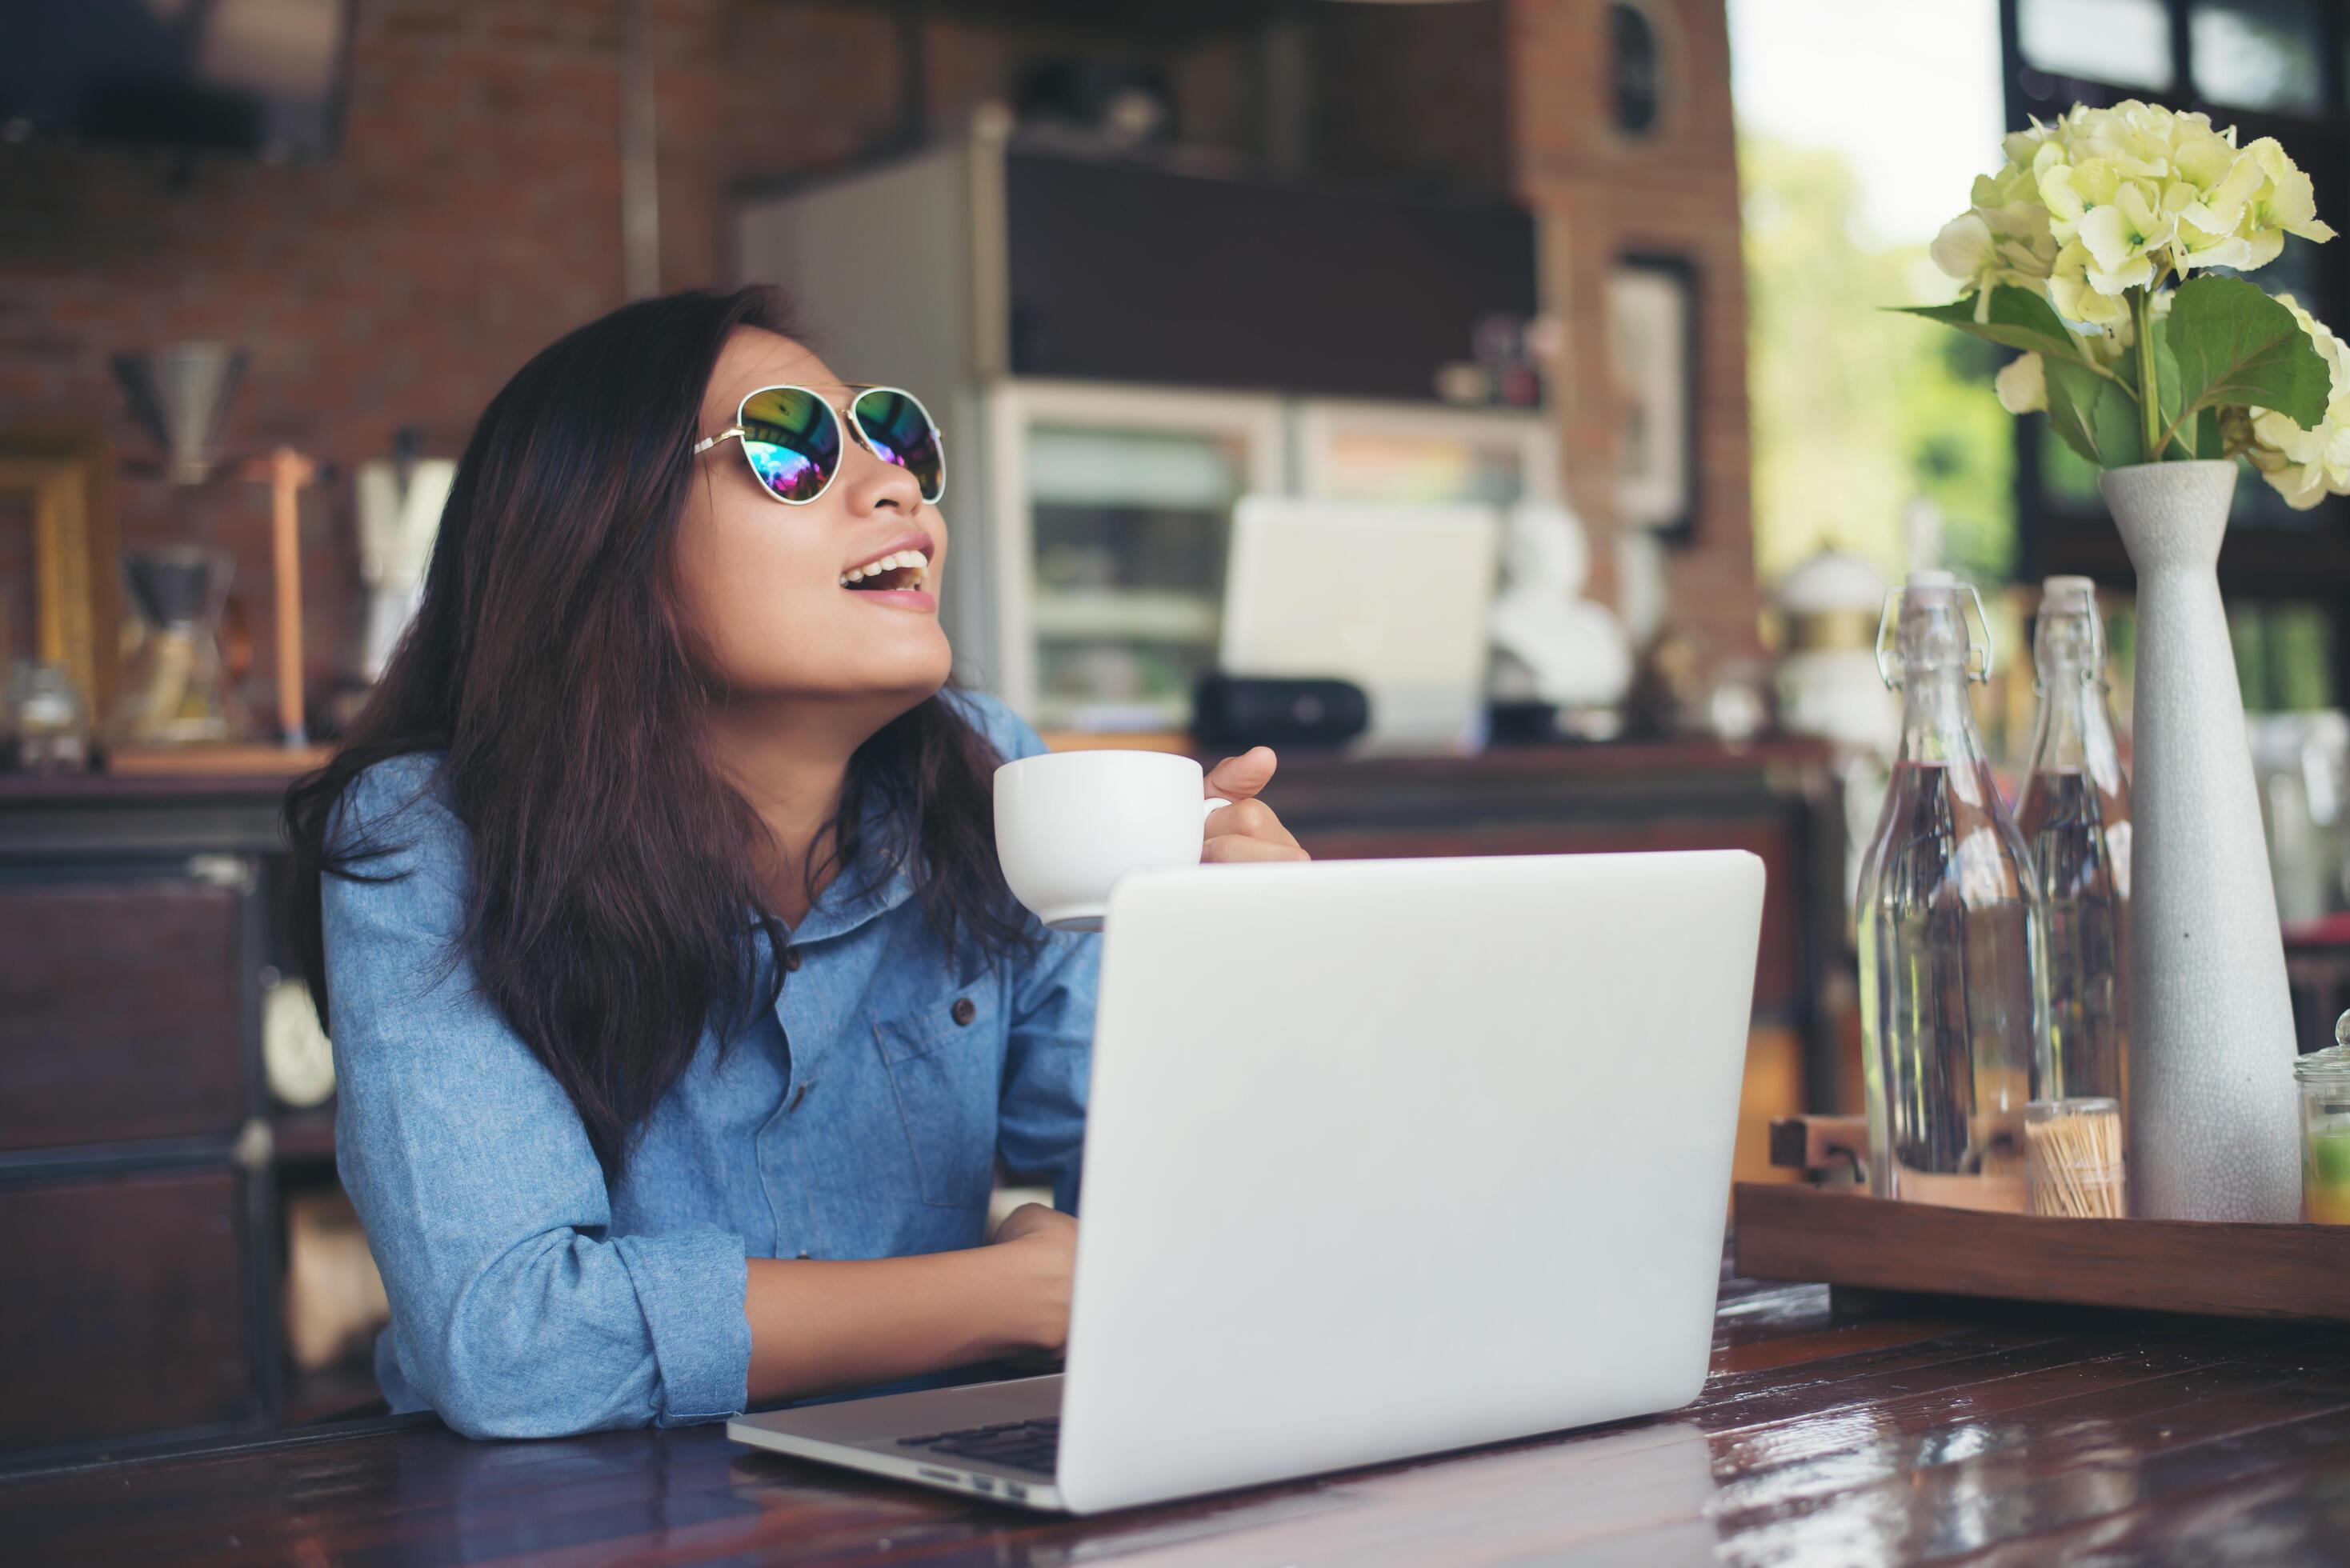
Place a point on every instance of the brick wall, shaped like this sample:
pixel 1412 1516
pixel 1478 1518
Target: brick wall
pixel 470 218
pixel 1416 96
pixel 473 215
pixel 1674 192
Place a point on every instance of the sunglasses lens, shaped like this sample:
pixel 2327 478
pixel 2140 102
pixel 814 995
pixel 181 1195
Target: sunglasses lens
pixel 901 431
pixel 792 441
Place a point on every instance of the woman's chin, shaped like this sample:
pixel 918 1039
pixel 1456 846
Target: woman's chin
pixel 911 678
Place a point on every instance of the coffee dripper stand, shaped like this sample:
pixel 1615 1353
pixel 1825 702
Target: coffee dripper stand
pixel 174 688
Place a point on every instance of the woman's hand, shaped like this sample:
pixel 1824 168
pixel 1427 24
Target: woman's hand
pixel 1039 1245
pixel 819 1326
pixel 1246 829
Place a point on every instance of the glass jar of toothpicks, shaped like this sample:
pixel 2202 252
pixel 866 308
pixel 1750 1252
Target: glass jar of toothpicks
pixel 2072 1158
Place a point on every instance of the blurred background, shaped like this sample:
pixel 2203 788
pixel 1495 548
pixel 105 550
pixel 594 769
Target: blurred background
pixel 1489 401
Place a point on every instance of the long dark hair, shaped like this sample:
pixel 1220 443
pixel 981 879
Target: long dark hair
pixel 612 904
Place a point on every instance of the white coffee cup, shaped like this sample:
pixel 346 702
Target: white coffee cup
pixel 1069 824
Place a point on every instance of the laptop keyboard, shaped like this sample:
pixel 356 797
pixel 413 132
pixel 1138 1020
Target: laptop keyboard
pixel 1022 1445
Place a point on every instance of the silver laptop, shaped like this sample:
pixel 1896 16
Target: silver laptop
pixel 1382 1158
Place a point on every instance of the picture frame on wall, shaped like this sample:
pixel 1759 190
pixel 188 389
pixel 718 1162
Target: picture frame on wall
pixel 56 503
pixel 1652 354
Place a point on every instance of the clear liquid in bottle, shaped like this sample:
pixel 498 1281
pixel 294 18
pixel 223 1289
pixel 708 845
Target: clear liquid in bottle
pixel 2074 816
pixel 1953 1002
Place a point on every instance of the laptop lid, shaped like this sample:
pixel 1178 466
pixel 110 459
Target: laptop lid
pixel 1387 1157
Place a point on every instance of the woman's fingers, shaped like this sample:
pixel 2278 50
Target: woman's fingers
pixel 1247 829
pixel 1233 848
pixel 1248 820
pixel 1244 777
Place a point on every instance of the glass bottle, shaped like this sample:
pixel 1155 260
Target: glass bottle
pixel 2074 816
pixel 1953 1002
pixel 2324 1079
pixel 48 727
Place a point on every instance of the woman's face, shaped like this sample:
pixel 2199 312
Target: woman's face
pixel 763 581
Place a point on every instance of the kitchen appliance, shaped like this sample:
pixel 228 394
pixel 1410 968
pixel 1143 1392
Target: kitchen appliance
pixel 174 688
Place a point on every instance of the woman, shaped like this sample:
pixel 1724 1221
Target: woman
pixel 679 1011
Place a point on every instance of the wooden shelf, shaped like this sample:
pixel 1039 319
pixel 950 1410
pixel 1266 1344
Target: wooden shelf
pixel 1845 1237
pixel 1125 616
pixel 226 761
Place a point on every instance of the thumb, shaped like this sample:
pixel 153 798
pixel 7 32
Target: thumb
pixel 1244 777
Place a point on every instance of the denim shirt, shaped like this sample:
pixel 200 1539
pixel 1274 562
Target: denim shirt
pixel 861 1118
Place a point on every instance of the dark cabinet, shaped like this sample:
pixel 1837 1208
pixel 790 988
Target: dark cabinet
pixel 120 1011
pixel 127 1306
pixel 1119 273
pixel 139 1226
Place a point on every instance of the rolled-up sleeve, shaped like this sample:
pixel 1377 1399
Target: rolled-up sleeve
pixel 514 1312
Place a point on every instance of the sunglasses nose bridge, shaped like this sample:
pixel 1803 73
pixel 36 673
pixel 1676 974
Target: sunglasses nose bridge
pixel 884 480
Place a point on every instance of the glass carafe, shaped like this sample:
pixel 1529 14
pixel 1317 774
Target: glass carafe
pixel 174 690
pixel 2074 816
pixel 1953 1002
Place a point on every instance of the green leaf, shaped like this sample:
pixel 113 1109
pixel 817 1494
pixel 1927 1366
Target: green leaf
pixel 2181 446
pixel 2016 318
pixel 2236 347
pixel 2120 431
pixel 2073 393
pixel 2206 440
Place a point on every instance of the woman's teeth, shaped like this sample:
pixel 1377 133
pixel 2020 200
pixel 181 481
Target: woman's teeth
pixel 910 560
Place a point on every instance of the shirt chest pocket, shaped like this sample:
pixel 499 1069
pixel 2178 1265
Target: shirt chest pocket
pixel 946 1062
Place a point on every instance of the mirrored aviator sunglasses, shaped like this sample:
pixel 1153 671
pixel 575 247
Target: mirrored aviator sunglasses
pixel 792 438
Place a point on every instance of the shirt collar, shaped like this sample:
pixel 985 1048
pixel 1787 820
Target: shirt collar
pixel 859 894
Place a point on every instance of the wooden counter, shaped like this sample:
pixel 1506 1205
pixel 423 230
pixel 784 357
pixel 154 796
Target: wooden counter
pixel 1900 1433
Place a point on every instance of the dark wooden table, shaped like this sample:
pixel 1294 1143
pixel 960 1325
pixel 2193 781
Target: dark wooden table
pixel 1886 1432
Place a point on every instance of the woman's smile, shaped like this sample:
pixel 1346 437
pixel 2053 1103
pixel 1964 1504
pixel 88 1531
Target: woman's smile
pixel 896 576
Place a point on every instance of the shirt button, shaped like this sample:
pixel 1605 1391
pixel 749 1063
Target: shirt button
pixel 964 1010
pixel 792 961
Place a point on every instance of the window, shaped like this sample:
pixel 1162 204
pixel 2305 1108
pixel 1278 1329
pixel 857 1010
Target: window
pixel 2270 67
pixel 2125 42
pixel 2260 54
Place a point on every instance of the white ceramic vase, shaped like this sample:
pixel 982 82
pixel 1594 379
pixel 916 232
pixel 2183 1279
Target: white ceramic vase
pixel 2214 1115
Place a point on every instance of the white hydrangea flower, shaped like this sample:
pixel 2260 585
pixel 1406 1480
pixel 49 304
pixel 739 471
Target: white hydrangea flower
pixel 2074 291
pixel 2003 238
pixel 2283 204
pixel 2210 183
pixel 2124 236
pixel 2306 466
pixel 2023 386
pixel 2104 201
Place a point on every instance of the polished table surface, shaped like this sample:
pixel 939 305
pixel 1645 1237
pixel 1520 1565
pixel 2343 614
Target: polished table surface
pixel 1865 1432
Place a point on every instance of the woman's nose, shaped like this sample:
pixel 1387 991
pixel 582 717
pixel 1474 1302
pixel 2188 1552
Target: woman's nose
pixel 873 484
